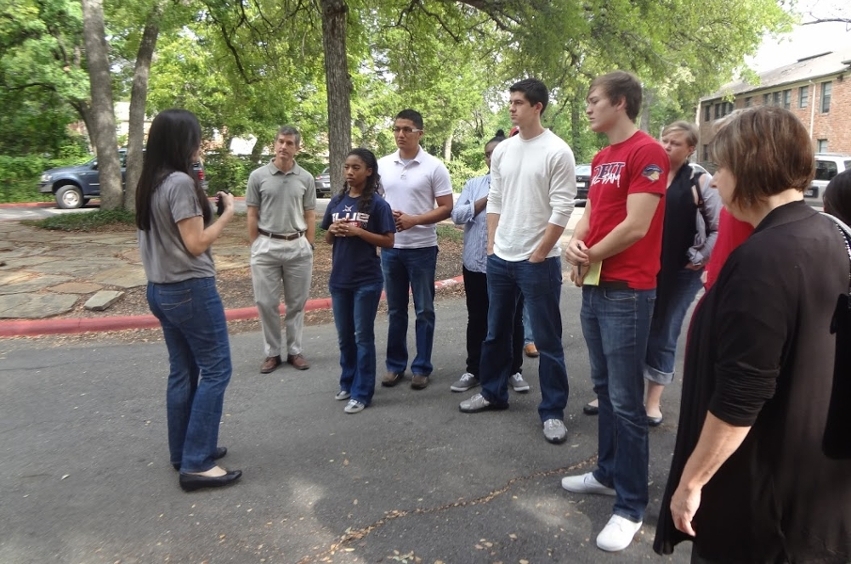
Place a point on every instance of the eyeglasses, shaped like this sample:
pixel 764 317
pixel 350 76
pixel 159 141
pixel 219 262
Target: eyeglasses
pixel 406 130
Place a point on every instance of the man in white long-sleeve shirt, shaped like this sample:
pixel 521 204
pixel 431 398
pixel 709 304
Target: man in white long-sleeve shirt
pixel 533 184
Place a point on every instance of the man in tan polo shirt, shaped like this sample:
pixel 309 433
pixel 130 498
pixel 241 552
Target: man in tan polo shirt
pixel 281 199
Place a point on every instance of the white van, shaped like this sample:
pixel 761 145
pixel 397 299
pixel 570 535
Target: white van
pixel 828 165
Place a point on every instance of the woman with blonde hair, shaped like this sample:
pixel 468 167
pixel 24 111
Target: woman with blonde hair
pixel 749 481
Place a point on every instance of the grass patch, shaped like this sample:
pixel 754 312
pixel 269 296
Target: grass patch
pixel 86 221
pixel 450 232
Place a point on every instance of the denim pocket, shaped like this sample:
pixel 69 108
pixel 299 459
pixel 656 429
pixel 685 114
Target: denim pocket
pixel 619 295
pixel 176 305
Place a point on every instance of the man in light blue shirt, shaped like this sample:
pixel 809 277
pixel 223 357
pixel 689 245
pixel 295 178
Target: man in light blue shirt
pixel 468 211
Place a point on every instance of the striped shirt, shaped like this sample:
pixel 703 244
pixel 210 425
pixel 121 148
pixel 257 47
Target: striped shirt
pixel 475 226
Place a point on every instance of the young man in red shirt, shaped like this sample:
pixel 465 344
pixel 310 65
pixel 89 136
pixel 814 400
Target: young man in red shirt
pixel 621 234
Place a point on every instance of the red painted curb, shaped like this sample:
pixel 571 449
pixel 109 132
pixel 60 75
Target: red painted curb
pixel 28 205
pixel 65 326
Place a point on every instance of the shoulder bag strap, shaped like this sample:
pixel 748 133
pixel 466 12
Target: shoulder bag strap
pixel 846 235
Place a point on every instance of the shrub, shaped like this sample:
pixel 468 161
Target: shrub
pixel 20 176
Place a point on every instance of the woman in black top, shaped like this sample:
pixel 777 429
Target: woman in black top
pixel 691 228
pixel 749 481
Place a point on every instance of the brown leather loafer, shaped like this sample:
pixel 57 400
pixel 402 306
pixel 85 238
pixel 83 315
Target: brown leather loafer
pixel 531 350
pixel 270 364
pixel 298 361
pixel 419 382
pixel 391 379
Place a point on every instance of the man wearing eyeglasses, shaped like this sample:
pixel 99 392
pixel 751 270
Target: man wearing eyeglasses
pixel 418 189
pixel 533 183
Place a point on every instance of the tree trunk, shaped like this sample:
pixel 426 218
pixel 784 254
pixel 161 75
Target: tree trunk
pixel 138 102
pixel 338 85
pixel 644 117
pixel 102 111
pixel 447 148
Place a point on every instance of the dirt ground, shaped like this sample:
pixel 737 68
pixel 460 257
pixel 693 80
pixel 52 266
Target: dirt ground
pixel 235 284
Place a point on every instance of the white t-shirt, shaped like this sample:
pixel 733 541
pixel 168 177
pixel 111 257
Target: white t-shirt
pixel 533 183
pixel 412 189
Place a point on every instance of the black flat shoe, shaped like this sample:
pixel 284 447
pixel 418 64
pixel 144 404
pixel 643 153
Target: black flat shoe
pixel 220 453
pixel 192 482
pixel 654 421
pixel 589 409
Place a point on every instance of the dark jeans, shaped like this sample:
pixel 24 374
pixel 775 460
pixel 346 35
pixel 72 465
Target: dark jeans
pixel 412 269
pixel 616 324
pixel 354 316
pixel 196 334
pixel 476 290
pixel 539 284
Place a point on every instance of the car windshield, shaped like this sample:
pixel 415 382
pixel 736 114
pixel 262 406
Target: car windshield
pixel 583 169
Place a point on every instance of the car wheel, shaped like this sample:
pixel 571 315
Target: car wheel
pixel 69 197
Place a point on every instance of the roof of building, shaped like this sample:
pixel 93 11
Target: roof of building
pixel 808 68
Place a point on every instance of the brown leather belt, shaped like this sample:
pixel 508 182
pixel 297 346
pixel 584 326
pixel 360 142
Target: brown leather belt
pixel 289 237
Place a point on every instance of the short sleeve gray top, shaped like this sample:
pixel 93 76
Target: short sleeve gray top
pixel 282 197
pixel 164 256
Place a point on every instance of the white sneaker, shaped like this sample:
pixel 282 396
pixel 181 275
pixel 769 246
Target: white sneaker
pixel 342 395
pixel 518 383
pixel 617 534
pixel 354 406
pixel 585 483
pixel 464 383
pixel 554 431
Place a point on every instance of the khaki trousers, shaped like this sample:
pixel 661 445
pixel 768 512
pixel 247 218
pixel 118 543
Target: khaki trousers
pixel 275 265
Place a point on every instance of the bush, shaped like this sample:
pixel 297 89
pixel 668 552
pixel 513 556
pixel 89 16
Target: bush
pixel 87 221
pixel 226 171
pixel 20 176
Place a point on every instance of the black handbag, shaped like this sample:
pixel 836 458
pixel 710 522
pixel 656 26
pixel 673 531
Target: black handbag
pixel 836 442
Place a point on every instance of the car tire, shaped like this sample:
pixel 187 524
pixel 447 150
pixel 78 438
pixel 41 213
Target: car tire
pixel 69 197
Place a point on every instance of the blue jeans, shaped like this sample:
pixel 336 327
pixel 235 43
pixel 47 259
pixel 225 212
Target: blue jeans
pixel 666 326
pixel 616 324
pixel 528 337
pixel 196 334
pixel 354 316
pixel 414 269
pixel 539 284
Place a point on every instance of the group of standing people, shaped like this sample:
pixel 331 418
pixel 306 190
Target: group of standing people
pixel 749 481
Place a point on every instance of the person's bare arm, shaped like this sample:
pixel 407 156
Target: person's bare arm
pixel 441 212
pixel 576 252
pixel 310 220
pixel 480 205
pixel 550 238
pixel 493 221
pixel 198 238
pixel 253 216
pixel 718 441
pixel 640 209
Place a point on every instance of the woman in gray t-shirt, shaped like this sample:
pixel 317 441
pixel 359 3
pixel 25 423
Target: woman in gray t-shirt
pixel 176 230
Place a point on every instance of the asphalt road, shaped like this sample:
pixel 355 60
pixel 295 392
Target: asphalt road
pixel 85 474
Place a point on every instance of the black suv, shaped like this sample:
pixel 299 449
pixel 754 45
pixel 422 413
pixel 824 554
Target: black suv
pixel 73 186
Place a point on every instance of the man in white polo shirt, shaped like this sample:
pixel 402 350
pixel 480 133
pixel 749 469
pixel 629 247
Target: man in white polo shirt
pixel 281 198
pixel 418 189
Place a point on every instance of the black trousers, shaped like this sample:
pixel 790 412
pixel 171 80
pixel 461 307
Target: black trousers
pixel 476 289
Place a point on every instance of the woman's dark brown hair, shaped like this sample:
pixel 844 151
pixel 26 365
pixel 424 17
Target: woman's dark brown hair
pixel 837 196
pixel 173 141
pixel 767 149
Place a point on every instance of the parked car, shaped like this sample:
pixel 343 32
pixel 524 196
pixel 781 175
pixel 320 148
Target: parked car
pixel 323 183
pixel 583 179
pixel 828 165
pixel 73 186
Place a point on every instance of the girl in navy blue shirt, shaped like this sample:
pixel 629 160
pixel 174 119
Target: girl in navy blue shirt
pixel 357 221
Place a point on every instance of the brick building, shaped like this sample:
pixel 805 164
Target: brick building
pixel 817 89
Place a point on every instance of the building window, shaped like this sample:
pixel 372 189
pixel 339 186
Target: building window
pixel 825 97
pixel 787 99
pixel 748 102
pixel 821 147
pixel 717 111
pixel 803 96
pixel 777 98
pixel 707 112
pixel 706 152
pixel 766 99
